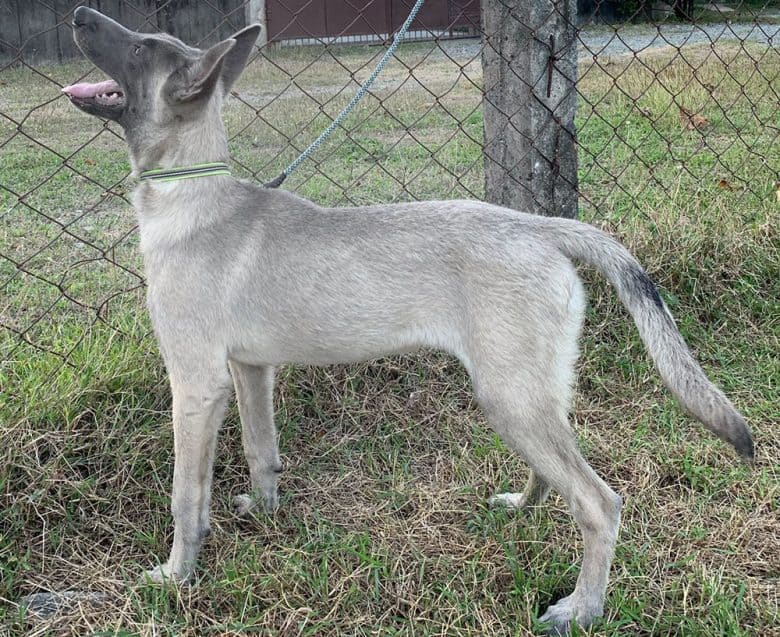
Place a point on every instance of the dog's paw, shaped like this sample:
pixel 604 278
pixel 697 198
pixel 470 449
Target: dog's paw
pixel 508 501
pixel 560 617
pixel 163 574
pixel 244 504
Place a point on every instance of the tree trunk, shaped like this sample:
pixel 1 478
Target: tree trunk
pixel 529 64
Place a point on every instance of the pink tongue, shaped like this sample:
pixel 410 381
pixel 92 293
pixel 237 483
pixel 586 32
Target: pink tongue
pixel 85 89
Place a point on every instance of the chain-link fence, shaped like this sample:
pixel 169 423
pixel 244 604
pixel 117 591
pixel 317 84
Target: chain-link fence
pixel 674 102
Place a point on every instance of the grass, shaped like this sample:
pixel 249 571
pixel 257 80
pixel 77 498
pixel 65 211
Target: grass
pixel 383 528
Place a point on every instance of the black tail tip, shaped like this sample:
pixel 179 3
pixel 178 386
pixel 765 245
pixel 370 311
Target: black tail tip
pixel 743 443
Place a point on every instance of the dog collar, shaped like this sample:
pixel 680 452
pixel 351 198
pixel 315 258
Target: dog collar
pixel 187 172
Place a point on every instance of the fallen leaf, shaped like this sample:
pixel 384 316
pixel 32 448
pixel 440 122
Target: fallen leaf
pixel 727 185
pixel 777 191
pixel 89 162
pixel 691 120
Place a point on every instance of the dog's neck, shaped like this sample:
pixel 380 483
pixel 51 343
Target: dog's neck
pixel 200 141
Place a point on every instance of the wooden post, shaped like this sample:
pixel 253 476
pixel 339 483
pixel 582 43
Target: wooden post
pixel 255 12
pixel 529 64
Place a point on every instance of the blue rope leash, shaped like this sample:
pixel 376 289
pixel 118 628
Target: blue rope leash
pixel 353 102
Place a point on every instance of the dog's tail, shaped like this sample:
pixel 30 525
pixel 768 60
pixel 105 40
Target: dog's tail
pixel 680 372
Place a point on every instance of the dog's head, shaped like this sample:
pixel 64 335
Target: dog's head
pixel 155 79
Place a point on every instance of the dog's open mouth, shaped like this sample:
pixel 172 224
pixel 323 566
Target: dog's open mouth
pixel 107 93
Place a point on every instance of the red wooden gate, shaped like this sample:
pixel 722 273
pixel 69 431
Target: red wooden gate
pixel 296 19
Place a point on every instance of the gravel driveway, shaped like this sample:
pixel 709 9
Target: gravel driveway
pixel 629 39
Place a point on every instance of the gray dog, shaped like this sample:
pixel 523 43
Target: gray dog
pixel 244 278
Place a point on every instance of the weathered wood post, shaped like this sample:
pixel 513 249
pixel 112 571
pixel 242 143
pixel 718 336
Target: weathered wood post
pixel 255 12
pixel 529 64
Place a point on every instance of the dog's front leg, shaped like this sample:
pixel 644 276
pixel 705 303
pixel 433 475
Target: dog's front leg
pixel 198 410
pixel 254 391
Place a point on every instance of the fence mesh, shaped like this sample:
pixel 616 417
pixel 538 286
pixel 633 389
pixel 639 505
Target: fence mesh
pixel 675 102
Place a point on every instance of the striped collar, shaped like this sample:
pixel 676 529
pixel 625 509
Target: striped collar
pixel 187 172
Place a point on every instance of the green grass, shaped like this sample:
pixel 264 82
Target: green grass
pixel 383 528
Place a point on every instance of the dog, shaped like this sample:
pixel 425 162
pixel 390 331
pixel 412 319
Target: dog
pixel 243 278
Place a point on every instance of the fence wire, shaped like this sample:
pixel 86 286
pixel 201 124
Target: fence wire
pixel 675 102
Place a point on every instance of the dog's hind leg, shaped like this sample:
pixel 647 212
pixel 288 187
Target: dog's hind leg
pixel 198 410
pixel 596 508
pixel 534 494
pixel 522 364
pixel 254 391
pixel 537 431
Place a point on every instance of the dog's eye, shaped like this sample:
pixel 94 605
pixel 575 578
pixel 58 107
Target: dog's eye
pixel 137 49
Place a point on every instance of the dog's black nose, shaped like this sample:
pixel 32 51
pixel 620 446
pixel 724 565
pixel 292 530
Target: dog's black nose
pixel 81 16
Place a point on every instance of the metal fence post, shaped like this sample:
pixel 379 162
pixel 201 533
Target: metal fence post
pixel 529 62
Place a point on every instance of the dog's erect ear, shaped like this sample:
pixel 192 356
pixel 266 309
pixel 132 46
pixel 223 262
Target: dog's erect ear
pixel 225 60
pixel 204 74
pixel 235 61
